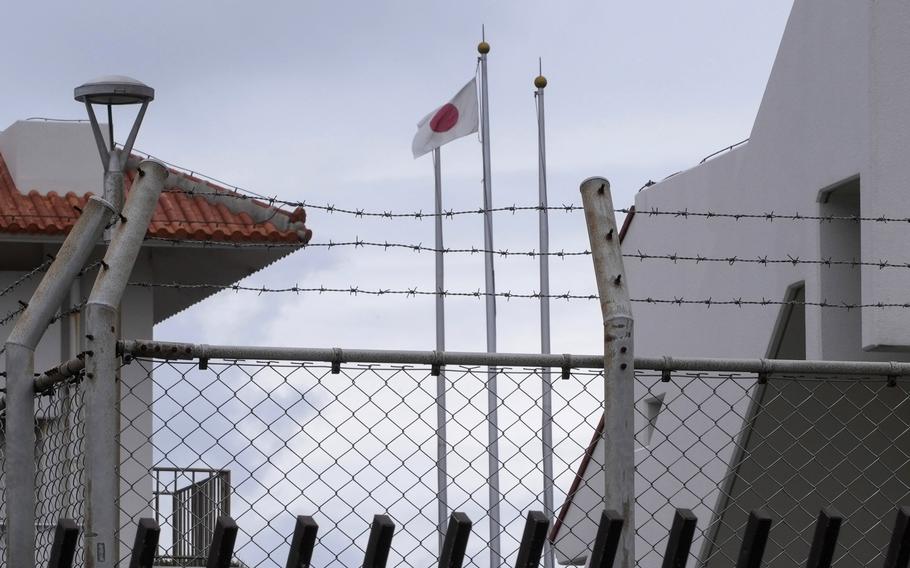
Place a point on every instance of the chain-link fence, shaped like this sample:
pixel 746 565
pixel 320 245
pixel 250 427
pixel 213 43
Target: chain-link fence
pixel 60 451
pixel 265 441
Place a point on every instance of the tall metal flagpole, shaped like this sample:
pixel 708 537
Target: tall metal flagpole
pixel 492 399
pixel 441 446
pixel 546 402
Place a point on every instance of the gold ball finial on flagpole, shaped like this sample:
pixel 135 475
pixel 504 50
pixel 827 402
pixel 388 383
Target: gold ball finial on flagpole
pixel 540 82
pixel 483 48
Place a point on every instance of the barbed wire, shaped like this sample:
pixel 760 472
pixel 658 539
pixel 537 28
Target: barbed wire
pixel 769 216
pixel 25 277
pixel 567 208
pixel 38 269
pixel 43 268
pixel 74 309
pixel 415 292
pixel 638 255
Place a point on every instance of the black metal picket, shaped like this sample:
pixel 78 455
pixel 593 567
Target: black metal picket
pixel 821 555
pixel 758 527
pixel 380 542
pixel 681 534
pixel 899 549
pixel 532 540
pixel 223 540
pixel 603 553
pixel 303 542
pixel 63 550
pixel 146 544
pixel 606 543
pixel 456 541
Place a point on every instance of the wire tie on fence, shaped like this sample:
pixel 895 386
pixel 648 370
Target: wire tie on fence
pixel 665 376
pixel 436 365
pixel 566 366
pixel 336 360
pixel 203 363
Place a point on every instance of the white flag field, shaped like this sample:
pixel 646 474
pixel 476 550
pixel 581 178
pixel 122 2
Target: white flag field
pixel 458 117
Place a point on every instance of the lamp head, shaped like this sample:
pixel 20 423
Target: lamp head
pixel 114 90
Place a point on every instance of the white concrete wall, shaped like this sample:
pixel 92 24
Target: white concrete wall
pixel 53 156
pixel 812 132
pixel 887 170
pixel 836 108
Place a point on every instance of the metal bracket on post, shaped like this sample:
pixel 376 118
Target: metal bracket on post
pixel 619 368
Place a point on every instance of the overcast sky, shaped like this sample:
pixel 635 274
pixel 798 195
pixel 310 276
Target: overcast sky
pixel 318 102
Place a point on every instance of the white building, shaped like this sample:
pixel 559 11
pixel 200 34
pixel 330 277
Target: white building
pixel 831 138
pixel 47 170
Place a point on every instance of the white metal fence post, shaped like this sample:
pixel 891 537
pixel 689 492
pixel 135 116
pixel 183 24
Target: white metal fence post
pixel 21 457
pixel 619 367
pixel 102 415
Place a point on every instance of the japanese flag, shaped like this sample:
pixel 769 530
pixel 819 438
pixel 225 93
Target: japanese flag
pixel 456 118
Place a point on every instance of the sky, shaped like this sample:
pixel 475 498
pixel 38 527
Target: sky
pixel 318 101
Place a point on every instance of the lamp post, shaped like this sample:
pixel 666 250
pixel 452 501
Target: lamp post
pixel 102 417
pixel 114 90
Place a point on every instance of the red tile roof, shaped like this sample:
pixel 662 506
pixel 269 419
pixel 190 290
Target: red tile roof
pixel 178 216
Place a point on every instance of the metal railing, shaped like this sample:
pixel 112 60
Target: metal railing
pixel 190 501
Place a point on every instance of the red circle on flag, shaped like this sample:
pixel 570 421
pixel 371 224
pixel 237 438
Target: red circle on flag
pixel 444 119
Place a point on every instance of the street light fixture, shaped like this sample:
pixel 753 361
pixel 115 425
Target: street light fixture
pixel 114 90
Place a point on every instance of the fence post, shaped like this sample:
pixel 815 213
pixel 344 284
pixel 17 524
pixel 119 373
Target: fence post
pixel 619 371
pixel 102 400
pixel 20 455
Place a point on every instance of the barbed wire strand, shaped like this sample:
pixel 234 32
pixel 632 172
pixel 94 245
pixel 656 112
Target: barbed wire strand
pixel 567 208
pixel 28 275
pixel 76 308
pixel 769 216
pixel 639 255
pixel 414 292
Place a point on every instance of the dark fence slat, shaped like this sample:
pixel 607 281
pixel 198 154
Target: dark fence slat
pixel 606 543
pixel 827 528
pixel 223 540
pixel 899 548
pixel 680 542
pixel 303 542
pixel 145 546
pixel 755 540
pixel 63 549
pixel 380 542
pixel 456 541
pixel 532 540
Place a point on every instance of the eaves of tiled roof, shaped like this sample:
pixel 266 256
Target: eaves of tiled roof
pixel 179 216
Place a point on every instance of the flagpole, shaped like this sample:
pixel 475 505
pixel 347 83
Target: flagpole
pixel 492 399
pixel 441 469
pixel 546 401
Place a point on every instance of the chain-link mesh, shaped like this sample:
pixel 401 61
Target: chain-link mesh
pixel 298 439
pixel 267 441
pixel 60 453
pixel 723 445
